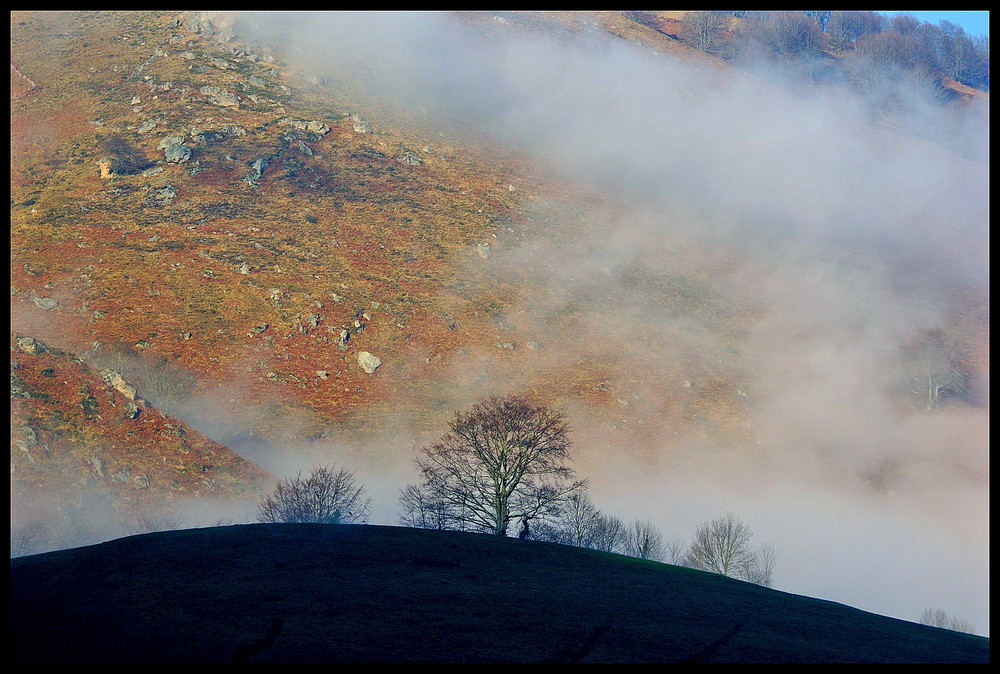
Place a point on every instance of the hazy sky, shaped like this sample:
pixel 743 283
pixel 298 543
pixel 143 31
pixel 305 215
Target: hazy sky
pixel 850 234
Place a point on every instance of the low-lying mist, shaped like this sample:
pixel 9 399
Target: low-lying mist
pixel 817 244
pixel 742 299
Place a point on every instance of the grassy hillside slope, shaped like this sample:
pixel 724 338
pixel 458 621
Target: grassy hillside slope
pixel 321 593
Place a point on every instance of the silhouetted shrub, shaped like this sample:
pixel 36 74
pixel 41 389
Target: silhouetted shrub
pixel 126 157
pixel 327 496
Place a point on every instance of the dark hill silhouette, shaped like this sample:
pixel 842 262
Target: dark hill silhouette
pixel 335 593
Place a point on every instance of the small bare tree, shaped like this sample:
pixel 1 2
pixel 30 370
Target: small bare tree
pixel 505 460
pixel 706 30
pixel 644 540
pixel 609 534
pixel 759 567
pixel 327 496
pixel 934 375
pixel 674 550
pixel 424 510
pixel 578 519
pixel 939 618
pixel 150 520
pixel 723 546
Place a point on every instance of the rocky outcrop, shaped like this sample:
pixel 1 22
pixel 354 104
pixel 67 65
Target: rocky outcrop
pixel 369 362
pixel 410 158
pixel 30 345
pixel 313 126
pixel 221 97
pixel 46 303
pixel 257 169
pixel 117 382
pixel 174 149
pixel 361 125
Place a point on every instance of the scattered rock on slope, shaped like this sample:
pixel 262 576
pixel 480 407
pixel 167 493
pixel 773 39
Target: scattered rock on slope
pixel 368 362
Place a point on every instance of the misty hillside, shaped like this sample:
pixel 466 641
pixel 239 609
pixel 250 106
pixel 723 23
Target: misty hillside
pixel 79 440
pixel 312 238
pixel 342 593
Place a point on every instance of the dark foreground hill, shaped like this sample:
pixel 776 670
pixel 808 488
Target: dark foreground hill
pixel 327 593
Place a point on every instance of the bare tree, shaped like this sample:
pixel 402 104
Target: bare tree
pixel 27 538
pixel 425 510
pixel 150 520
pixel 644 540
pixel 674 550
pixel 327 496
pixel 579 518
pixel 609 534
pixel 721 546
pixel 779 34
pixel 935 375
pixel 504 460
pixel 705 30
pixel 844 28
pixel 939 618
pixel 759 567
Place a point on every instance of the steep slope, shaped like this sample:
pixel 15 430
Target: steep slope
pixel 91 460
pixel 330 593
pixel 278 232
pixel 301 219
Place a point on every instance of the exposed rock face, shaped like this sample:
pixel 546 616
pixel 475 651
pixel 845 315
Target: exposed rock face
pixel 170 140
pixel 174 149
pixel 361 125
pixel 368 362
pixel 312 126
pixel 177 154
pixel 221 97
pixel 256 172
pixel 46 303
pixel 116 381
pixel 30 345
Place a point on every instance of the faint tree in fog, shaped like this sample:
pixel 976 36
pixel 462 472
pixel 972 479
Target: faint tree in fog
pixel 934 374
pixel 939 618
pixel 610 534
pixel 723 546
pixel 150 520
pixel 504 460
pixel 674 550
pixel 327 496
pixel 759 567
pixel 644 540
pixel 892 69
pixel 765 35
pixel 424 510
pixel 579 519
pixel 160 381
pixel 844 28
pixel 706 30
pixel 27 538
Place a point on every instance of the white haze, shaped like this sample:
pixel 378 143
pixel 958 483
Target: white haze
pixel 847 233
pixel 852 230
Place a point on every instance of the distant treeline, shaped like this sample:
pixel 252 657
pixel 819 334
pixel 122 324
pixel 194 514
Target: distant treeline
pixel 901 42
